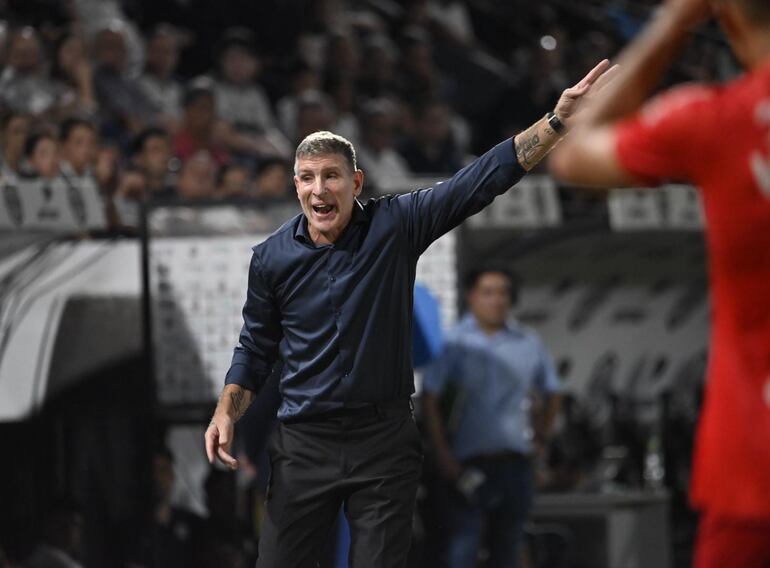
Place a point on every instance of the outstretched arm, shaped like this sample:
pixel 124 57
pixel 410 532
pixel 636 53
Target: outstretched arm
pixel 588 155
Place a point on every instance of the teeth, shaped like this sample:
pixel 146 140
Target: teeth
pixel 322 208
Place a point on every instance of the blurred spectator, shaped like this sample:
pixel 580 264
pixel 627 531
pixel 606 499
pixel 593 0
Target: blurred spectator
pixel 78 148
pixel 432 148
pixel 377 78
pixel 240 101
pixel 488 372
pixel 167 540
pixel 151 154
pixel 273 180
pixel 452 19
pixel 72 73
pixel 41 153
pixel 106 168
pixel 341 90
pixel 314 113
pixel 62 538
pixel 197 179
pixel 123 107
pixel 24 86
pixel 233 180
pixel 419 80
pixel 158 83
pixel 198 128
pixel 14 129
pixel 383 166
pixel 342 58
pixel 304 79
pixel 222 526
pixel 124 207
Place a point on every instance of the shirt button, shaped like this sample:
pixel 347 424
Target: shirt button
pixel 332 278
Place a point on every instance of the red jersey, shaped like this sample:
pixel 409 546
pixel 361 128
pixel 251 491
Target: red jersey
pixel 718 138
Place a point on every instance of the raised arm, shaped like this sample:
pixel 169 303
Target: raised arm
pixel 588 155
pixel 535 142
pixel 429 213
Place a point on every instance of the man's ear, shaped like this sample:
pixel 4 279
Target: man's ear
pixel 359 182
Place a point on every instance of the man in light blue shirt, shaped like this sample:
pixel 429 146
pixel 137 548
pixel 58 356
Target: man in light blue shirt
pixel 490 368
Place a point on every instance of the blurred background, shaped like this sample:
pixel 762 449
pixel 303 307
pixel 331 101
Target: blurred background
pixel 145 146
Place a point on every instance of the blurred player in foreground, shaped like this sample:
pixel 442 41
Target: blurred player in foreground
pixel 718 138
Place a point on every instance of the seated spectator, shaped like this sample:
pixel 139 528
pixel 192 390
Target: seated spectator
pixel 273 180
pixel 151 155
pixel 78 148
pixel 222 531
pixel 197 179
pixel 314 113
pixel 419 79
pixel 342 91
pixel 240 100
pixel 41 155
pixel 124 205
pixel 342 56
pixel 233 180
pixel 168 538
pixel 384 167
pixel 431 149
pixel 158 83
pixel 124 109
pixel 62 540
pixel 14 129
pixel 71 72
pixel 24 85
pixel 378 78
pixel 304 78
pixel 198 129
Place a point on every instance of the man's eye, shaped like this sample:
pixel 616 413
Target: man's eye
pixel 332 175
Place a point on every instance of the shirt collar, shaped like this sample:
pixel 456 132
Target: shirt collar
pixel 358 217
pixel 509 327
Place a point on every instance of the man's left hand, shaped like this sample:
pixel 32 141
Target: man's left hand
pixel 572 98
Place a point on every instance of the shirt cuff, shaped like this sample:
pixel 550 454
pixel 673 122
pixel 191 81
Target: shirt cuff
pixel 241 375
pixel 506 157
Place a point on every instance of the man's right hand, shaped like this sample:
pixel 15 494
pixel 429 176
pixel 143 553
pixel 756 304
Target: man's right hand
pixel 219 438
pixel 451 469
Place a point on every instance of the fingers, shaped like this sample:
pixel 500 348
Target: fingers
pixel 211 437
pixel 218 444
pixel 226 458
pixel 606 77
pixel 593 74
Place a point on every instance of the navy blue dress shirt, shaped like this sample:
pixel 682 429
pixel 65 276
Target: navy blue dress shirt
pixel 339 316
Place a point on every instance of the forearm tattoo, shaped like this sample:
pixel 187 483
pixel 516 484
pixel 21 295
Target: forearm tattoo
pixel 237 402
pixel 528 149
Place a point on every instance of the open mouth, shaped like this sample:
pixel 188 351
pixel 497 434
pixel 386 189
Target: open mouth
pixel 323 209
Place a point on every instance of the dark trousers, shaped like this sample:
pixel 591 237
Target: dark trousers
pixel 499 509
pixel 368 461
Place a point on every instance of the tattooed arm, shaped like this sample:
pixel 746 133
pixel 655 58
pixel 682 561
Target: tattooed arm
pixel 533 144
pixel 231 407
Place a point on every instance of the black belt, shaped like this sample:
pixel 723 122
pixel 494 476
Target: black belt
pixel 354 411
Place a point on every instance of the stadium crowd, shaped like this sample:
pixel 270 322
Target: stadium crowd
pixel 149 109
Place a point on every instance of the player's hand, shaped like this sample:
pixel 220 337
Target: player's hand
pixel 573 98
pixel 219 439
